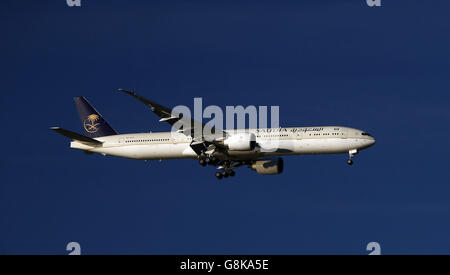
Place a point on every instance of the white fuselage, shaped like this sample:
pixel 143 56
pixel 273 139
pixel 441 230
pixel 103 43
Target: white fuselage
pixel 271 142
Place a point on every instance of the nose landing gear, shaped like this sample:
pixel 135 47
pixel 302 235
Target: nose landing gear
pixel 351 154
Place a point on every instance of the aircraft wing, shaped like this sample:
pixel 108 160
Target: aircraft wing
pixel 202 135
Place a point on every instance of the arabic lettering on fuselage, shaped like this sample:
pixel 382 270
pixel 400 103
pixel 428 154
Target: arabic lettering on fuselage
pixel 292 130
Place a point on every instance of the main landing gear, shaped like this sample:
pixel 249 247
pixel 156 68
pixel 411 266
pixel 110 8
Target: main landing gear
pixel 206 160
pixel 227 170
pixel 351 154
pixel 225 166
pixel 202 162
pixel 225 174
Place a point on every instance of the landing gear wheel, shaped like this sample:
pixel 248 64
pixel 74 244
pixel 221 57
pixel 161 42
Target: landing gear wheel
pixel 232 173
pixel 219 175
pixel 225 173
pixel 213 160
pixel 202 162
pixel 350 162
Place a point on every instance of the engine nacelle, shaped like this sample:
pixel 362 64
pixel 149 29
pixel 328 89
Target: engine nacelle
pixel 241 142
pixel 268 166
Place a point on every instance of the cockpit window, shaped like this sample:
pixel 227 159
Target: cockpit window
pixel 366 134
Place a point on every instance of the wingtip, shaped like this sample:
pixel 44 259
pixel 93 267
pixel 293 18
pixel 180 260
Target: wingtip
pixel 127 92
pixel 55 128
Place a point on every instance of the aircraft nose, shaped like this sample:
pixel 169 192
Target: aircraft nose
pixel 372 141
pixel 368 139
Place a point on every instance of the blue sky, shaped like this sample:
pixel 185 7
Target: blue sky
pixel 384 70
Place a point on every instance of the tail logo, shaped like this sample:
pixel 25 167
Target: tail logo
pixel 90 123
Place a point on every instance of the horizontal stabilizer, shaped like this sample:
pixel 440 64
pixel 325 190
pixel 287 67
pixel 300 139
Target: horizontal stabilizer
pixel 83 139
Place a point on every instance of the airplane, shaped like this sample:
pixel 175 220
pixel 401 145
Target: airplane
pixel 224 149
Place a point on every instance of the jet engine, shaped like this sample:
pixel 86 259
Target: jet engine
pixel 271 166
pixel 241 142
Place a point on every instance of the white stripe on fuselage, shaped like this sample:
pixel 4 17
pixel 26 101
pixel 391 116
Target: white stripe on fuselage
pixel 288 141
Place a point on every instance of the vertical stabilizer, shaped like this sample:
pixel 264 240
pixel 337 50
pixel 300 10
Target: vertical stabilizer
pixel 94 125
